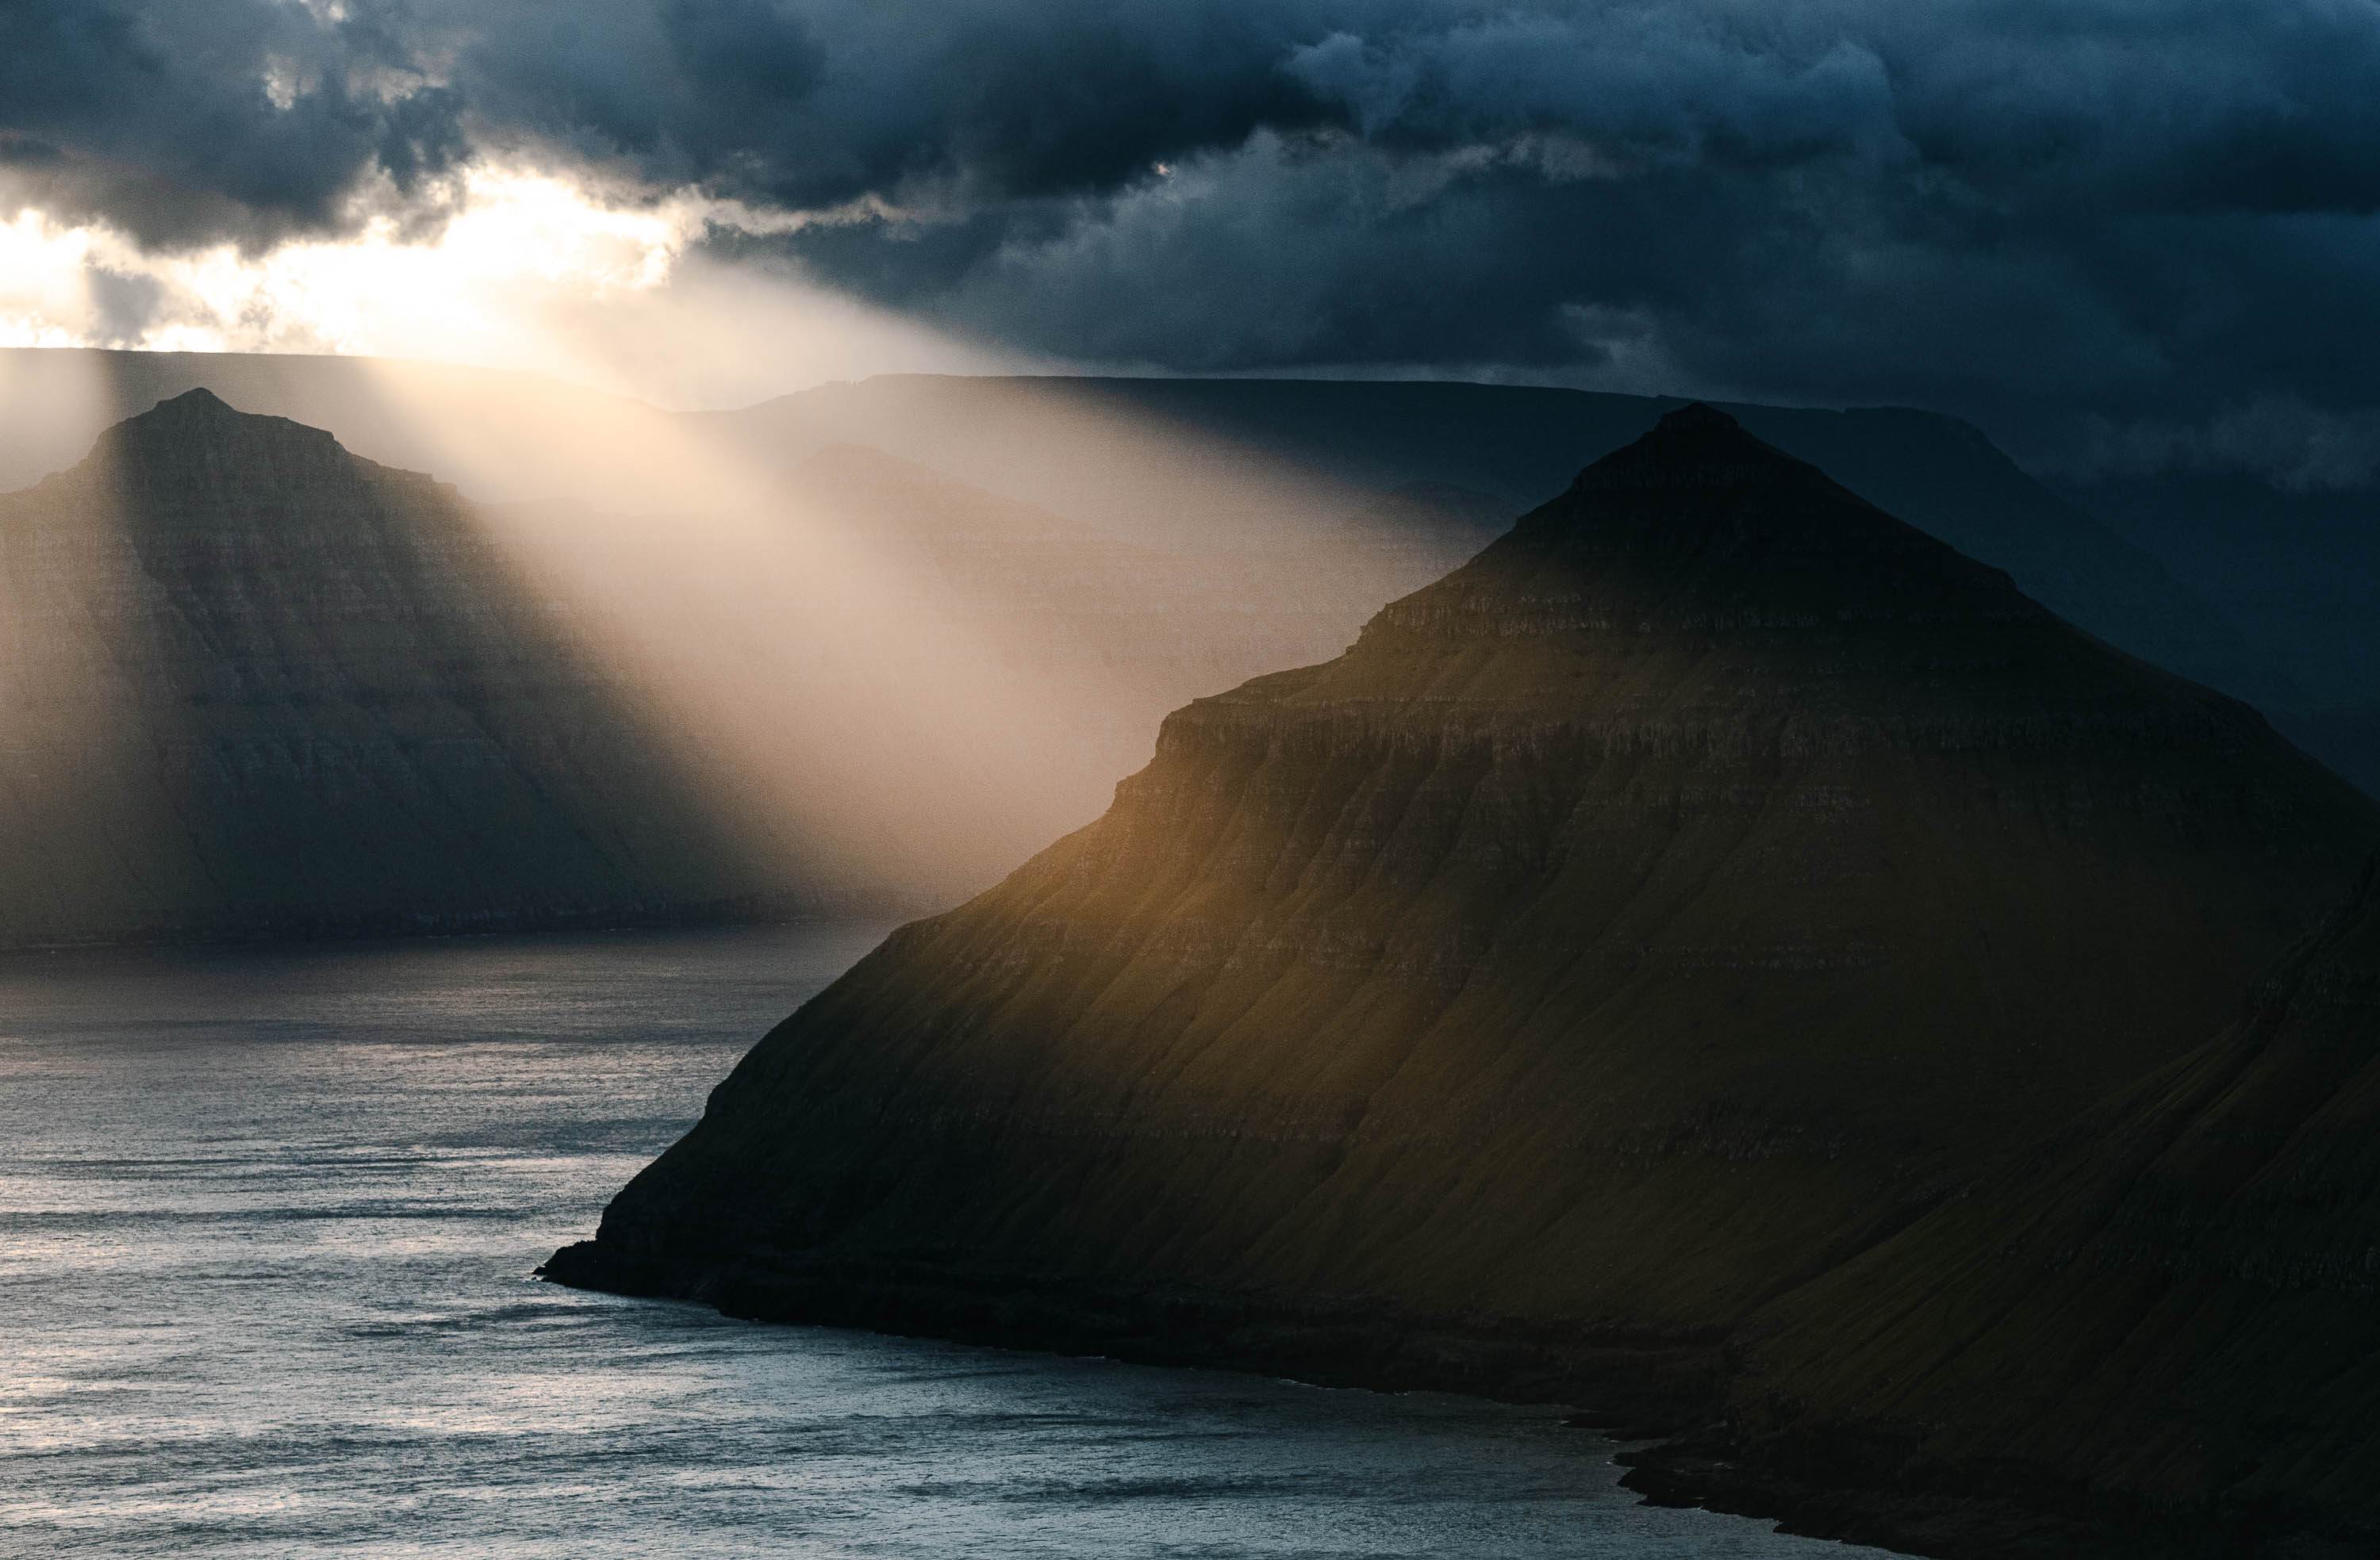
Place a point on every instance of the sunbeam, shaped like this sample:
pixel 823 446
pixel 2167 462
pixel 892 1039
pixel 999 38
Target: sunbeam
pixel 531 271
pixel 837 698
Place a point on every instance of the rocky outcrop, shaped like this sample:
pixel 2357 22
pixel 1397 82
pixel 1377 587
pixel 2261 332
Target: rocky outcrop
pixel 1681 897
pixel 252 685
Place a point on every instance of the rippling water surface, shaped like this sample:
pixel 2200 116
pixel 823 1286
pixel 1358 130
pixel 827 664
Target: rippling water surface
pixel 266 1226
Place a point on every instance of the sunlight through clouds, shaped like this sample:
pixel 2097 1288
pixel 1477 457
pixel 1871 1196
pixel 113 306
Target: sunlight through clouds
pixel 44 292
pixel 533 272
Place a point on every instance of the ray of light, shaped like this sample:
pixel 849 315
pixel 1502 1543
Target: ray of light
pixel 866 718
pixel 838 701
pixel 533 272
pixel 86 825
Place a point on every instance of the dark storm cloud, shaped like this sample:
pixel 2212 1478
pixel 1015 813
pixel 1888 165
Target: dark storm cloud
pixel 2146 209
pixel 185 122
pixel 825 102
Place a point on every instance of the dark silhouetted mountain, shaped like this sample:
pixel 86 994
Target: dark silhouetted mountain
pixel 253 684
pixel 2169 1307
pixel 2231 582
pixel 1636 924
pixel 498 435
pixel 1168 462
pixel 257 686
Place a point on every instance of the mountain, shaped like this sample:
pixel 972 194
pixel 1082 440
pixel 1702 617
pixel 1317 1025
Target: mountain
pixel 2254 591
pixel 257 686
pixel 2163 1314
pixel 1180 465
pixel 251 684
pixel 499 435
pixel 1192 463
pixel 1652 914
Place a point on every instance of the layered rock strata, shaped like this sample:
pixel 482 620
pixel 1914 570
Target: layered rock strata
pixel 1639 922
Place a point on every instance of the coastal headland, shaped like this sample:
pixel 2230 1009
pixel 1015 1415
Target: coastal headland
pixel 1710 882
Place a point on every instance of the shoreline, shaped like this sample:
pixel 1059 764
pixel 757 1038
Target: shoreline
pixel 1637 1386
pixel 1630 1385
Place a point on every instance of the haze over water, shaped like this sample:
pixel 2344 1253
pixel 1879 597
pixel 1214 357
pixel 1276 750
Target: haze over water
pixel 266 1224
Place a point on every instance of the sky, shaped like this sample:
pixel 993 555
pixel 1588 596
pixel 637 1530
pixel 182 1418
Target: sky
pixel 2117 232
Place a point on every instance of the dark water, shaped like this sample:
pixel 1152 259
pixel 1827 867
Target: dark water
pixel 266 1226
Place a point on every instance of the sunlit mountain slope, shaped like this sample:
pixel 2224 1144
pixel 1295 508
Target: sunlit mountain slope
pixel 1635 922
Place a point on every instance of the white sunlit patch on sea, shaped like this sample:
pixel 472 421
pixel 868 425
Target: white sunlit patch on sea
pixel 267 1221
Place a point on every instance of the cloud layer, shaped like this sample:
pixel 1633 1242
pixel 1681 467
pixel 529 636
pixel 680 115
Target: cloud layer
pixel 2148 211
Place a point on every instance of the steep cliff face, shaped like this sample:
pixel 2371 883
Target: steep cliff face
pixel 2170 1303
pixel 251 684
pixel 1632 926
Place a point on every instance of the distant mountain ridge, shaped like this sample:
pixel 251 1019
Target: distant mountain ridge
pixel 1688 892
pixel 1170 463
pixel 498 435
pixel 2296 569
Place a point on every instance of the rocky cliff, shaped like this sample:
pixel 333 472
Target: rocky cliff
pixel 2162 1315
pixel 1657 911
pixel 251 684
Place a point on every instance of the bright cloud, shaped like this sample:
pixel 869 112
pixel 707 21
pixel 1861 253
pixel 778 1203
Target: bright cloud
pixel 531 272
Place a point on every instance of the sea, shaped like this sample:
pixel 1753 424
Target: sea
pixel 268 1221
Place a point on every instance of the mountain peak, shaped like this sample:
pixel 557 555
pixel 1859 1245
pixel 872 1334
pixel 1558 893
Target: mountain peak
pixel 1702 526
pixel 200 413
pixel 200 401
pixel 194 461
pixel 198 426
pixel 1696 414
pixel 1697 446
